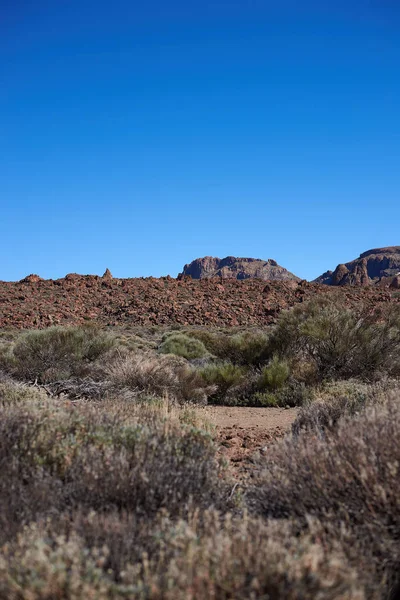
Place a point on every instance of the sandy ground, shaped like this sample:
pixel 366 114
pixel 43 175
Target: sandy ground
pixel 266 419
pixel 244 433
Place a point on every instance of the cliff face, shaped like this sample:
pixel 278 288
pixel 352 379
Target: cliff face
pixel 380 266
pixel 236 268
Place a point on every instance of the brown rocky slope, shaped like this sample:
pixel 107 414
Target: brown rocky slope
pixel 232 267
pixel 36 303
pixel 380 266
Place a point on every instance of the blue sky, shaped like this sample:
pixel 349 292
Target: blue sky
pixel 139 136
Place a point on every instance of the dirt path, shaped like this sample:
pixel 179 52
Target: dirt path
pixel 266 419
pixel 243 431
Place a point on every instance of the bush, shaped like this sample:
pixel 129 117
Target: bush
pixel 154 374
pixel 225 376
pixel 333 401
pixel 181 344
pixel 322 415
pixel 57 352
pixel 250 348
pixel 53 457
pixel 13 393
pixel 338 400
pixel 215 556
pixel 340 343
pixel 291 395
pixel 274 376
pixel 351 477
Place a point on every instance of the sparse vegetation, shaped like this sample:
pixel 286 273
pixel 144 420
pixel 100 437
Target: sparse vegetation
pixel 122 493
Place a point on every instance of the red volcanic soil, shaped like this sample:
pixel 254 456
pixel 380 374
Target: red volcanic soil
pixel 36 303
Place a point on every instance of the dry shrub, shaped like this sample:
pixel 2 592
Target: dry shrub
pixel 208 556
pixel 14 393
pixel 351 477
pixel 340 399
pixel 143 372
pixel 321 415
pixel 79 388
pixel 39 567
pixel 56 456
pixel 157 375
pixel 111 500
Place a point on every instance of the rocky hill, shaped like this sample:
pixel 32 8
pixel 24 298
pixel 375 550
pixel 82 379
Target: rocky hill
pixel 36 303
pixel 232 267
pixel 380 266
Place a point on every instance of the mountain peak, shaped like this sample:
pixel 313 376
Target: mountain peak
pixel 232 267
pixel 376 266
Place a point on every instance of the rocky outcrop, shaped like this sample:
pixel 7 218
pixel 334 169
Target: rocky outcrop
pixel 107 274
pixel 374 267
pixel 232 267
pixel 395 283
pixel 31 279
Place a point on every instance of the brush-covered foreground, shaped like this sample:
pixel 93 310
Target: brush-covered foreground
pixel 120 499
pixel 112 483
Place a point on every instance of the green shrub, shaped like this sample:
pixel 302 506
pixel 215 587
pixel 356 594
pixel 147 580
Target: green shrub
pixel 291 395
pixel 57 352
pixel 266 399
pixel 250 348
pixel 181 344
pixel 340 342
pixel 275 375
pixel 224 376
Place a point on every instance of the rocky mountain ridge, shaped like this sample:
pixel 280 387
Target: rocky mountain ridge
pixel 232 267
pixel 379 267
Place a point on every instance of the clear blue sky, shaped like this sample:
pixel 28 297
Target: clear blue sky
pixel 141 135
